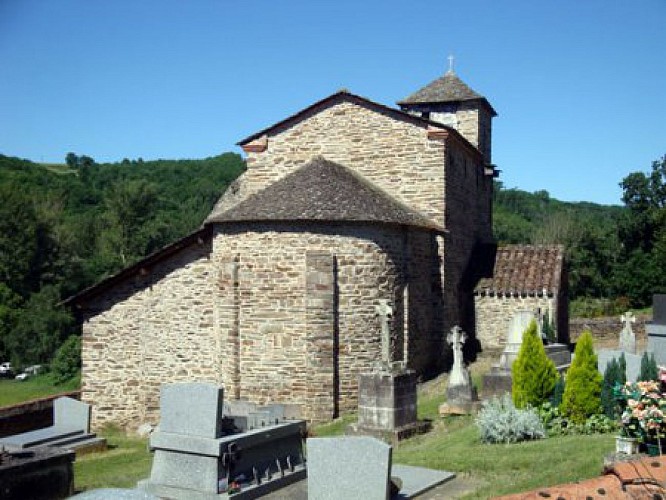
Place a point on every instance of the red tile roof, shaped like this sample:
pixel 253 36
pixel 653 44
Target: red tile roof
pixel 525 270
pixel 639 479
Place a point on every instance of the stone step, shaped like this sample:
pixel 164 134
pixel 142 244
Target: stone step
pixel 40 437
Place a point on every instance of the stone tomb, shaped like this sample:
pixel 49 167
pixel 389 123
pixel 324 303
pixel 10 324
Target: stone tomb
pixel 39 473
pixel 461 396
pixel 626 346
pixel 195 459
pixel 387 395
pixel 656 330
pixel 350 467
pixel 498 381
pixel 70 430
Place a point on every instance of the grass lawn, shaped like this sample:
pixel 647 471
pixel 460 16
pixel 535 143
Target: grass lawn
pixel 125 462
pixel 16 391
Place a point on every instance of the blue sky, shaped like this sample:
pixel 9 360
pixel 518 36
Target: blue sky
pixel 580 86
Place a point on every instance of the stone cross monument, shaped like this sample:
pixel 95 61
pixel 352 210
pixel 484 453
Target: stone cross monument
pixel 627 336
pixel 385 313
pixel 458 375
pixel 461 396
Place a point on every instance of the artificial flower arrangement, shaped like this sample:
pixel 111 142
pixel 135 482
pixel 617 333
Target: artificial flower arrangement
pixel 644 409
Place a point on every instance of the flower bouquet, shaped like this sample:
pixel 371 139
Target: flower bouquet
pixel 644 413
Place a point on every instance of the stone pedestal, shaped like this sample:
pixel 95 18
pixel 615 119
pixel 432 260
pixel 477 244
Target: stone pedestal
pixel 387 405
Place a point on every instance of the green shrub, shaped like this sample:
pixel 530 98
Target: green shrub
pixel 558 392
pixel 67 361
pixel 582 393
pixel 558 425
pixel 649 369
pixel 499 421
pixel 612 378
pixel 622 363
pixel 533 374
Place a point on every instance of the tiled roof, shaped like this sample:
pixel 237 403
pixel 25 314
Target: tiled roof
pixel 639 479
pixel 524 270
pixel 326 191
pixel 447 88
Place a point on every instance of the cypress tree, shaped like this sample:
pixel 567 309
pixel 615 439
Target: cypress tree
pixel 649 370
pixel 622 364
pixel 611 378
pixel 533 374
pixel 582 394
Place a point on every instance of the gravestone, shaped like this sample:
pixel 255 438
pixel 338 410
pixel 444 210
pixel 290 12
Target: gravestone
pixel 387 395
pixel 348 467
pixel 70 430
pixel 656 330
pixel 197 456
pixel 627 336
pixel 461 396
pixel 626 346
pixel 498 381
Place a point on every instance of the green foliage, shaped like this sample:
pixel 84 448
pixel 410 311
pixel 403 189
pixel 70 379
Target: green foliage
pixel 558 425
pixel 649 369
pixel 499 421
pixel 61 233
pixel 612 378
pixel 41 326
pixel 534 375
pixel 67 361
pixel 622 364
pixel 558 392
pixel 582 394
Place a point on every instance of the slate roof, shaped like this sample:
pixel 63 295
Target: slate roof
pixel 324 191
pixel 524 270
pixel 447 88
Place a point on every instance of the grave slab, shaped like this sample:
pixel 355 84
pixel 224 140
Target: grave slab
pixel 191 408
pixel 348 467
pixel 417 480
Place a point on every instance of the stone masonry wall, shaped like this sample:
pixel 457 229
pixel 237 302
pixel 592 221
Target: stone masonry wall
pixel 467 209
pixel 307 298
pixel 395 155
pixel 494 313
pixel 147 331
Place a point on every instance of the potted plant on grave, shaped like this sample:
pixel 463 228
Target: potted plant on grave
pixel 643 417
pixel 631 434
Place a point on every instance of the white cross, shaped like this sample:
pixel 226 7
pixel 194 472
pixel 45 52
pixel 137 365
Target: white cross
pixel 450 58
pixel 385 313
pixel 628 318
pixel 456 338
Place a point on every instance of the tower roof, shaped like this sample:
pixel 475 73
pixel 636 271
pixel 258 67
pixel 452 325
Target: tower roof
pixel 324 191
pixel 447 88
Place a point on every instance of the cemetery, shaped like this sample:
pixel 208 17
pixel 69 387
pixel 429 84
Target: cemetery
pixel 208 446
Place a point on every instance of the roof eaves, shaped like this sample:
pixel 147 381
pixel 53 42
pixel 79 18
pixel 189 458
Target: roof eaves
pixel 203 233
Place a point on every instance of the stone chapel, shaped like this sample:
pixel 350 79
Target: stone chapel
pixel 343 204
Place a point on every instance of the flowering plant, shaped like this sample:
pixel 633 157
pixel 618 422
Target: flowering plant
pixel 644 413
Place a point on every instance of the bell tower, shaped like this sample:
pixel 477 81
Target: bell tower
pixel 449 101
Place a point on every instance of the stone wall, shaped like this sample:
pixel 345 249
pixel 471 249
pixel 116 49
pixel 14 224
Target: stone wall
pixel 150 329
pixel 395 155
pixel 468 219
pixel 494 313
pixel 307 325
